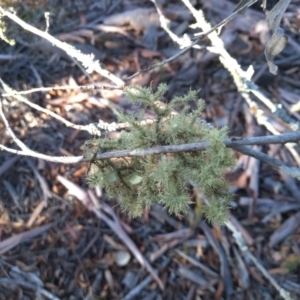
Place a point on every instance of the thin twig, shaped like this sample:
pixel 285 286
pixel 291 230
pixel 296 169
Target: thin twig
pixel 92 128
pixel 105 213
pixel 138 289
pixel 130 244
pixel 114 223
pixel 87 61
pixel 198 39
pixel 275 163
pixel 28 152
pixel 224 265
pixel 231 143
pixel 61 88
pixel 226 20
pixel 246 251
pixel 242 79
pixel 10 131
pixel 164 61
pixel 55 159
pixel 164 23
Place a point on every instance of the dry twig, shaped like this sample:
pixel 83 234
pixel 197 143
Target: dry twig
pixel 105 213
pixel 246 252
pixel 86 60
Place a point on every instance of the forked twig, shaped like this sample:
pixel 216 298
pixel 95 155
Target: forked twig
pixel 25 151
pixel 92 128
pixel 202 35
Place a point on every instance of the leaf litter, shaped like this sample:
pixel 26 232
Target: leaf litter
pixel 69 248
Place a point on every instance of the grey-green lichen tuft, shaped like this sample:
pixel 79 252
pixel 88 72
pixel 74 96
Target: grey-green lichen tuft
pixel 138 182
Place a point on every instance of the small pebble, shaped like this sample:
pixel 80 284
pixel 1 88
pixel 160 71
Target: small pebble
pixel 122 258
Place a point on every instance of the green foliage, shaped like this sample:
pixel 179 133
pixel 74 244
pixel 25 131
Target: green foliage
pixel 139 181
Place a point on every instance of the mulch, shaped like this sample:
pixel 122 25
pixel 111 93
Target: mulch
pixel 52 246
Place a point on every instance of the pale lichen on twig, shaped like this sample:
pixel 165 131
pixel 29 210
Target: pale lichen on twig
pixel 87 61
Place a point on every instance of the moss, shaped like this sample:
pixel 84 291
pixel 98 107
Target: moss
pixel 164 178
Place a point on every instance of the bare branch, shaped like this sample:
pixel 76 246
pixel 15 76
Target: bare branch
pixel 201 36
pixel 63 87
pixel 243 81
pixel 93 128
pixel 232 143
pixel 246 251
pixel 241 78
pixel 226 20
pixel 10 131
pixel 55 159
pixel 28 152
pixel 275 163
pixel 164 61
pixel 164 22
pixel 86 60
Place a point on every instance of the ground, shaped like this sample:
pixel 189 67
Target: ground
pixel 55 244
